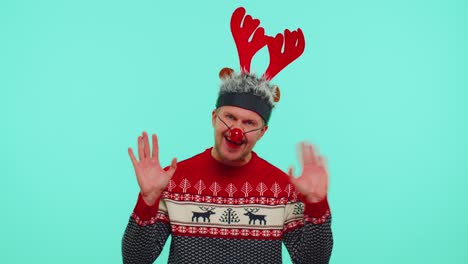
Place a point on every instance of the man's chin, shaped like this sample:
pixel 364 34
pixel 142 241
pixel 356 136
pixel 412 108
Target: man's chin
pixel 232 155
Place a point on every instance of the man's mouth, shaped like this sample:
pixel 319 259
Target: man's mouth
pixel 234 143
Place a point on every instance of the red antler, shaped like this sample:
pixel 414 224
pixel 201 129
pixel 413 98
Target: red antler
pixel 242 34
pixel 294 44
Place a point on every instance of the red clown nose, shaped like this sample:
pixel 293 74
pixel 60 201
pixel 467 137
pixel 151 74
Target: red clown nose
pixel 236 135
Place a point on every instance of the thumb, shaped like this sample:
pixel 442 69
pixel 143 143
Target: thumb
pixel 173 167
pixel 132 157
pixel 291 175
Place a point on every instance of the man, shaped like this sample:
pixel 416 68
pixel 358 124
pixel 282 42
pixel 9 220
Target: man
pixel 226 204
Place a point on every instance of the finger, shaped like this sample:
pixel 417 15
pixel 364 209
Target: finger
pixel 172 168
pixel 323 163
pixel 292 179
pixel 132 157
pixel 320 161
pixel 291 171
pixel 146 149
pixel 155 151
pixel 305 154
pixel 311 154
pixel 141 156
pixel 313 150
pixel 174 163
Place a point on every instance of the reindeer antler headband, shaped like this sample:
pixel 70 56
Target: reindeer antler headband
pixel 245 89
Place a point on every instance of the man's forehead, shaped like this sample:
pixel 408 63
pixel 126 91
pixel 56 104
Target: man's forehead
pixel 240 112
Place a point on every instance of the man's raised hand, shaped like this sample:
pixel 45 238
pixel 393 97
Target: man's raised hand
pixel 151 177
pixel 313 182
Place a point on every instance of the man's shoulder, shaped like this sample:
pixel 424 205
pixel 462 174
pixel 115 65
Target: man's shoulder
pixel 194 160
pixel 270 175
pixel 267 166
pixel 197 159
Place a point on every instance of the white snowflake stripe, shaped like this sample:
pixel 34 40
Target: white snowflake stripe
pixel 225 200
pixel 233 232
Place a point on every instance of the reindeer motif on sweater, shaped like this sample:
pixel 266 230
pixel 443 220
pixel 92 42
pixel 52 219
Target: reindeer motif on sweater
pixel 205 215
pixel 254 217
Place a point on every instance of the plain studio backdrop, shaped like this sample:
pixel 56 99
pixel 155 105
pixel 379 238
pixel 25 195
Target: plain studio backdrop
pixel 380 88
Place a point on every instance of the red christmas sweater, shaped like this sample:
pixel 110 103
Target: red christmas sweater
pixel 225 214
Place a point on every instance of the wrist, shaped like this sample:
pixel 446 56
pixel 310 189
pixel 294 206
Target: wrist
pixel 316 209
pixel 151 198
pixel 311 199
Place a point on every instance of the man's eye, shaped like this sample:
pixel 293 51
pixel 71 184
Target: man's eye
pixel 230 117
pixel 250 123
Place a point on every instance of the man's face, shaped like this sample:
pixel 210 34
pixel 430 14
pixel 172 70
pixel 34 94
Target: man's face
pixel 227 150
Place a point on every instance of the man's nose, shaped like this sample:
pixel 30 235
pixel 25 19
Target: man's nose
pixel 236 135
pixel 237 124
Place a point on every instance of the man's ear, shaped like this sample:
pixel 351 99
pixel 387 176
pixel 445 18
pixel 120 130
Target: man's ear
pixel 262 132
pixel 213 117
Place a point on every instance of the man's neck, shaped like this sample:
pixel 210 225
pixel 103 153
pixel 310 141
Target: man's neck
pixel 234 163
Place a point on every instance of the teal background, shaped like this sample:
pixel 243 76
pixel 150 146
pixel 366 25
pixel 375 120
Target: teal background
pixel 380 88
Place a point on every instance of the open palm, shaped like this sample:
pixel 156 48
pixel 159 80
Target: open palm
pixel 313 182
pixel 151 177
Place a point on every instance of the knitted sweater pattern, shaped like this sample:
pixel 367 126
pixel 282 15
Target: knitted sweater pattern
pixel 224 214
